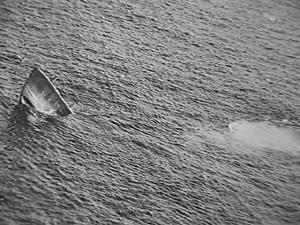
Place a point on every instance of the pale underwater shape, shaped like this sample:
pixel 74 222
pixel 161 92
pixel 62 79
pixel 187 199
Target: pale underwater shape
pixel 259 137
pixel 266 135
pixel 272 18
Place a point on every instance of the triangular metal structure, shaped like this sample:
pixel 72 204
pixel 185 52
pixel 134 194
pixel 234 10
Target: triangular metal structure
pixel 40 93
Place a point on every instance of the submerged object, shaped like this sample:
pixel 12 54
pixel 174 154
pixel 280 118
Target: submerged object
pixel 270 17
pixel 266 134
pixel 39 92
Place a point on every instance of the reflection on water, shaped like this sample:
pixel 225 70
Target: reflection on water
pixel 266 135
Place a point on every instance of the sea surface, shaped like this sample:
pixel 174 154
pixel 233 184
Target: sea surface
pixel 185 112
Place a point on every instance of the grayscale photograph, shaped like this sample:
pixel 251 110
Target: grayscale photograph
pixel 149 112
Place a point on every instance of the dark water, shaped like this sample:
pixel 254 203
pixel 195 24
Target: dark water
pixel 154 86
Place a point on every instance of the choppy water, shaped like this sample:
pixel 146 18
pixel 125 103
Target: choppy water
pixel 155 86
